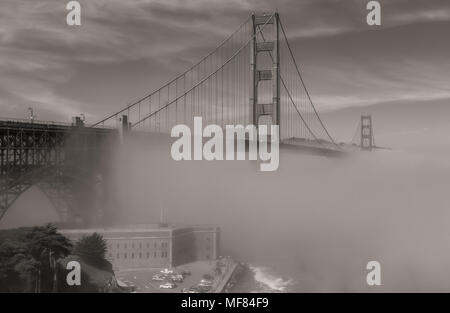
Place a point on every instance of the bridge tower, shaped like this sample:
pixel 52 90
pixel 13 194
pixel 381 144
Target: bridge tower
pixel 257 108
pixel 366 133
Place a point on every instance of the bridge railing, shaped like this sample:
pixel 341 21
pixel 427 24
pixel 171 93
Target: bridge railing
pixel 7 120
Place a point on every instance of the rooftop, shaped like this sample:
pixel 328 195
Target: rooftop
pixel 137 228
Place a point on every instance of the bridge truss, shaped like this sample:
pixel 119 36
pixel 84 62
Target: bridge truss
pixel 60 159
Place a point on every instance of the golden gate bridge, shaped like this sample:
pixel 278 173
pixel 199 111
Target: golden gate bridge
pixel 252 77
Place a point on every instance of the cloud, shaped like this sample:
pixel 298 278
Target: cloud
pixel 133 47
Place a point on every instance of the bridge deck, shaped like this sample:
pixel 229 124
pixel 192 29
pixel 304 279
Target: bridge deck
pixel 24 124
pixel 319 147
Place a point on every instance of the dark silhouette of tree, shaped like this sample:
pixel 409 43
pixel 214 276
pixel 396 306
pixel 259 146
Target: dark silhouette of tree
pixel 28 261
pixel 91 249
pixel 29 271
pixel 31 258
pixel 47 246
pixel 18 269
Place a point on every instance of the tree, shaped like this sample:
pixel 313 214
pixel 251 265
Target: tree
pixel 28 269
pixel 47 246
pixel 14 276
pixel 91 248
pixel 28 259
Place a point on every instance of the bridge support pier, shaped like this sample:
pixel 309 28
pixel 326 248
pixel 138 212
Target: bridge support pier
pixel 366 133
pixel 257 108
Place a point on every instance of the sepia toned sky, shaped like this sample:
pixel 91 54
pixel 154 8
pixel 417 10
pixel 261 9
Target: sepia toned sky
pixel 125 49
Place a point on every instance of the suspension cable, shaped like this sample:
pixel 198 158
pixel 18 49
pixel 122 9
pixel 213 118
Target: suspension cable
pixel 292 100
pixel 176 78
pixel 306 90
pixel 206 78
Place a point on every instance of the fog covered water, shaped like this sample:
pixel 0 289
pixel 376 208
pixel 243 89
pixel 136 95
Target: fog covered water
pixel 315 223
pixel 310 226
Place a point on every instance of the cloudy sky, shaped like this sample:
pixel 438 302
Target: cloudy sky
pixel 125 49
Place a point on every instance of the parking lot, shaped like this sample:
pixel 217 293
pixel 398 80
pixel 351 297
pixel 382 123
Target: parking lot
pixel 142 278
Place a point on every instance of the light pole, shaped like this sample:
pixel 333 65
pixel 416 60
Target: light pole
pixel 30 109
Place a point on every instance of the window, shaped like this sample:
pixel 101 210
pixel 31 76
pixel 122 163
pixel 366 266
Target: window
pixel 140 255
pixel 132 245
pixel 148 245
pixel 124 255
pixel 118 255
pixel 125 246
pixel 118 245
pixel 132 255
pixel 148 255
pixel 140 245
pixel 154 254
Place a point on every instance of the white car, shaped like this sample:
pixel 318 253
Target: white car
pixel 167 285
pixel 177 277
pixel 158 277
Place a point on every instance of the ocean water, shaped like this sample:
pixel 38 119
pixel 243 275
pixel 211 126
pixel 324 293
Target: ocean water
pixel 265 280
pixel 388 206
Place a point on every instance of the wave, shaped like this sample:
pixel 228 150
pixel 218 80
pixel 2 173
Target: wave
pixel 268 281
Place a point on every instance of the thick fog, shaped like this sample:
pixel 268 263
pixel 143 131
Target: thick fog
pixel 317 220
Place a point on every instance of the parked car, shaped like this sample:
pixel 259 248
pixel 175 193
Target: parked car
pixel 177 277
pixel 158 277
pixel 167 285
pixel 203 288
pixel 192 289
pixel 206 282
pixel 126 286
